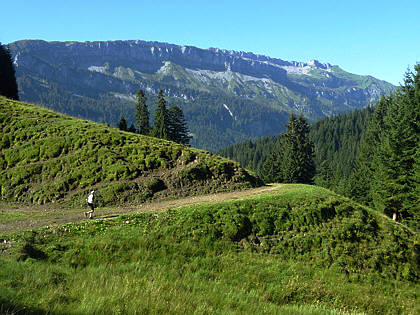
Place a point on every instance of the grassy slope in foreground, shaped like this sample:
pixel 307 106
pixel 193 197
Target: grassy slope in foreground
pixel 47 157
pixel 301 245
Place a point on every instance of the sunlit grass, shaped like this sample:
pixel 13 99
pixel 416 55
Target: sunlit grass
pixel 229 257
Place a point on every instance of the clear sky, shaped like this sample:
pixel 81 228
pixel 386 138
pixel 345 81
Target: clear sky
pixel 376 37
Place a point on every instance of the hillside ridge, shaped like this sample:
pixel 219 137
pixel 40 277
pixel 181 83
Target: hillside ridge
pixel 49 157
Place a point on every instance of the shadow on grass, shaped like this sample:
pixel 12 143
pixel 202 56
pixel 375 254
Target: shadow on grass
pixel 8 308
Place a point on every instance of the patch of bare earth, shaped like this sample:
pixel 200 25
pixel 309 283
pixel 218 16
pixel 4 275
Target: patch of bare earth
pixel 38 216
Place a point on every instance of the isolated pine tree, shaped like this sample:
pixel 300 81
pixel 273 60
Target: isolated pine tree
pixel 142 114
pixel 122 125
pixel 160 128
pixel 178 130
pixel 8 85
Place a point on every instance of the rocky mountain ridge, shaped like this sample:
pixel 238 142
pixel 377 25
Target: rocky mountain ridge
pixel 236 95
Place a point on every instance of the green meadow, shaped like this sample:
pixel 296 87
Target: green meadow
pixel 298 250
pixel 294 249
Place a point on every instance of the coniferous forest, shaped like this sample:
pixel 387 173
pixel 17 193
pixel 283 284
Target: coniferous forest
pixel 371 155
pixel 336 142
pixel 169 124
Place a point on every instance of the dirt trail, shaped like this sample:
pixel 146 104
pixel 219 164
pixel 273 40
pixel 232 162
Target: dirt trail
pixel 17 218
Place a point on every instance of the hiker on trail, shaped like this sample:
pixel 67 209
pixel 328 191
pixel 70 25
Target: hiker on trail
pixel 89 201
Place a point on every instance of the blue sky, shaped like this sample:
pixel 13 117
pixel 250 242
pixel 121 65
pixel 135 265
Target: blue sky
pixel 380 38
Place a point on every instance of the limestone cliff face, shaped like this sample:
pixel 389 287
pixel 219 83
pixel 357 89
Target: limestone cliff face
pixel 258 90
pixel 147 57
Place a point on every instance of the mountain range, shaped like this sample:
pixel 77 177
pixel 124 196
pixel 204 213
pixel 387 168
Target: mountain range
pixel 227 96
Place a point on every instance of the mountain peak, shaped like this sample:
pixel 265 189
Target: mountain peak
pixel 316 63
pixel 94 80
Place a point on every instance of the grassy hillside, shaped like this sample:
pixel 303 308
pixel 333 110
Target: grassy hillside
pixel 299 250
pixel 49 157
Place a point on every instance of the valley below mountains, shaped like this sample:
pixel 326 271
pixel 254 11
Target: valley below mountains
pixel 226 96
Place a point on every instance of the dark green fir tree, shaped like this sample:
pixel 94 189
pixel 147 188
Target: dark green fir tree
pixel 394 190
pixel 132 128
pixel 160 128
pixel 387 165
pixel 178 130
pixel 292 161
pixel 8 85
pixel 298 158
pixel 142 113
pixel 122 125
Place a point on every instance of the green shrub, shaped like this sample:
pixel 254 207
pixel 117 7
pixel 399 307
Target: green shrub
pixel 199 171
pixel 155 185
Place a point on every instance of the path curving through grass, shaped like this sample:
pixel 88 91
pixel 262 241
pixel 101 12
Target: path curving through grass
pixel 16 217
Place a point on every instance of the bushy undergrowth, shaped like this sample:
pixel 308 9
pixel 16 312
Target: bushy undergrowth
pixel 48 157
pixel 304 246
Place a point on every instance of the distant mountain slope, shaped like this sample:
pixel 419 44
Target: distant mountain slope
pixel 227 96
pixel 48 157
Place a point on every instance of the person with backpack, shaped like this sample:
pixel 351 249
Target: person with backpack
pixel 90 200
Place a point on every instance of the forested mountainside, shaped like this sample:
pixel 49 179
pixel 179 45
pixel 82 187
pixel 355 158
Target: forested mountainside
pixel 336 140
pixel 226 96
pixel 49 157
pixel 371 155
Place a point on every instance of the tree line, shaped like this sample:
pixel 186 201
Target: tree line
pixel 371 155
pixel 387 169
pixel 335 141
pixel 169 123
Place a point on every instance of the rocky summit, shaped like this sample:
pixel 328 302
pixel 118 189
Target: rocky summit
pixel 227 96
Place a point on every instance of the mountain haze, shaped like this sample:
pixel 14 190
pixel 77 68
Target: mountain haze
pixel 227 96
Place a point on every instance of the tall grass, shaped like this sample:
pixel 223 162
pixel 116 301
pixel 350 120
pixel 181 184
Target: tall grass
pixel 236 257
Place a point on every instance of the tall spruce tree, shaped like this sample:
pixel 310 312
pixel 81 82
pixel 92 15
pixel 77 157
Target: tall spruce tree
pixel 160 128
pixel 8 85
pixel 387 164
pixel 293 159
pixel 178 130
pixel 361 179
pixel 272 168
pixel 394 192
pixel 122 125
pixel 298 164
pixel 142 114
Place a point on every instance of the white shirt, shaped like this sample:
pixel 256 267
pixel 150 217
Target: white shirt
pixel 90 198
